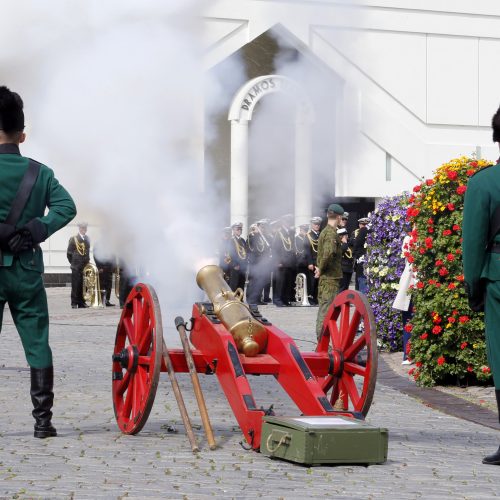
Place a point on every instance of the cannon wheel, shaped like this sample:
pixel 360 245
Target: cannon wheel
pixel 137 359
pixel 350 337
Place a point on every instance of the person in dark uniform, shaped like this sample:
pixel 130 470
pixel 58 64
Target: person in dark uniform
pixel 105 266
pixel 481 259
pixel 223 252
pixel 347 260
pixel 301 244
pixel 344 221
pixel 78 254
pixel 238 253
pixel 21 262
pixel 312 256
pixel 283 249
pixel 358 239
pixel 259 268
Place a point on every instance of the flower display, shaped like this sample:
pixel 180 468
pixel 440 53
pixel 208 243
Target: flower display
pixel 384 265
pixel 447 337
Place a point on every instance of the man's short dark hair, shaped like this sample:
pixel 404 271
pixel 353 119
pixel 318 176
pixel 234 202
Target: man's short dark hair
pixel 495 125
pixel 11 111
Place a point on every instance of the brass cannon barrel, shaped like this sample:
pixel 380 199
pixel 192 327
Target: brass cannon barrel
pixel 249 334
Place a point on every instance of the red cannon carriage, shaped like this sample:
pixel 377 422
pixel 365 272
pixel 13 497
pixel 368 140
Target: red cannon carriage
pixel 232 341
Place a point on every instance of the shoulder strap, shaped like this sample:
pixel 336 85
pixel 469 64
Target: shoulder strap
pixel 23 192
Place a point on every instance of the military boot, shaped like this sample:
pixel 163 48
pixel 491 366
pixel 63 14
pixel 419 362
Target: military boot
pixel 495 458
pixel 42 397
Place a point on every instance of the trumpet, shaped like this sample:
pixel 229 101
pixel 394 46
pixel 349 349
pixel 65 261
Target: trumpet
pixel 91 287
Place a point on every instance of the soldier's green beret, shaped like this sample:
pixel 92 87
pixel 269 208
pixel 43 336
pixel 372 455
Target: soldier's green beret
pixel 336 209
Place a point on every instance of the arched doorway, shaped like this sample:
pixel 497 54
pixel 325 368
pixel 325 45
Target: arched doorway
pixel 240 115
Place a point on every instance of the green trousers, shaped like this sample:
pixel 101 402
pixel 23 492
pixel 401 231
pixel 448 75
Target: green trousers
pixel 23 290
pixel 328 288
pixel 492 333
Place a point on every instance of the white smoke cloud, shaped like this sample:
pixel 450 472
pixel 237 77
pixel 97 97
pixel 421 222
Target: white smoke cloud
pixel 114 101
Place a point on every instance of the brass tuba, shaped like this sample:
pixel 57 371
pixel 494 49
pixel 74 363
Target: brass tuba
pixel 301 296
pixel 91 287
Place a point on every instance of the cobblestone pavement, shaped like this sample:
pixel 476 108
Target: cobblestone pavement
pixel 431 455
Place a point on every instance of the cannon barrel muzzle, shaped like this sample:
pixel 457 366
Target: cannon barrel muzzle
pixel 249 334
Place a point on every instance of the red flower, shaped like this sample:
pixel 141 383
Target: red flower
pixel 421 250
pixel 430 221
pixel 430 230
pixel 458 251
pixel 410 259
pixel 450 257
pixel 463 319
pixel 452 286
pixel 441 360
pixel 470 369
pixel 432 282
pixel 485 369
pixel 417 188
pixel 469 172
pixel 460 277
pixel 424 336
pixel 451 319
pixel 429 182
pixel 408 327
pixel 437 319
pixel 473 163
pixel 436 330
pixel 454 312
pixel 418 364
pixel 443 271
pixel 461 189
pixel 450 207
pixel 447 232
pixel 463 345
pixel 410 371
pixel 456 227
pixel 411 199
pixel 420 285
pixel 439 262
pixel 428 242
pixel 452 175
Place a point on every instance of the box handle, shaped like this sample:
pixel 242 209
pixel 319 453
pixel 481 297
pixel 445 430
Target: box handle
pixel 283 440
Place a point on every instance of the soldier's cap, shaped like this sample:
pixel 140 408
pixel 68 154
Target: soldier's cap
pixel 364 220
pixel 11 111
pixel 341 231
pixel 345 216
pixel 316 220
pixel 335 209
pixel 83 224
pixel 237 224
pixel 304 226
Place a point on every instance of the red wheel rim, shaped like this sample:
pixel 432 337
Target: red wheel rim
pixel 137 359
pixel 352 384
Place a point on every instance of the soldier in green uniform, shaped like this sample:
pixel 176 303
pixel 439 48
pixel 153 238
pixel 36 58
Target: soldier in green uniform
pixel 481 259
pixel 329 264
pixel 21 268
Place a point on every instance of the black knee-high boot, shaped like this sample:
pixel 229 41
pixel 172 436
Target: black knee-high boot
pixel 42 397
pixel 495 458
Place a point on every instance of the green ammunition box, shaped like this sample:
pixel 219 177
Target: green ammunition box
pixel 323 440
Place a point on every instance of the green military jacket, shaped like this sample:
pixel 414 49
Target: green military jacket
pixel 329 260
pixel 46 193
pixel 482 198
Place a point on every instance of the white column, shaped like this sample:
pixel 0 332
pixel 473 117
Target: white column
pixel 303 181
pixel 239 172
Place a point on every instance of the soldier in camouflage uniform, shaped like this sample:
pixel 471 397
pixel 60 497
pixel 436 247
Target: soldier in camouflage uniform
pixel 329 264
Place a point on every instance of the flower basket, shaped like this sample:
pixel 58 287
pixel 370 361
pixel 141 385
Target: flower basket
pixel 384 265
pixel 447 341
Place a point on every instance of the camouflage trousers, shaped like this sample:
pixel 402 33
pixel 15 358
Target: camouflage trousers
pixel 328 288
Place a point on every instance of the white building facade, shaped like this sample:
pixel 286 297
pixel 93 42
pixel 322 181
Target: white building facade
pixel 417 77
